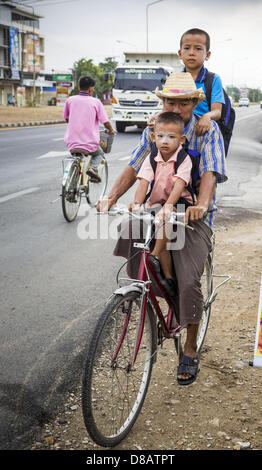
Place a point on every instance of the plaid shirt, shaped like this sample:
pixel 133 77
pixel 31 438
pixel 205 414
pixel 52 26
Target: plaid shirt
pixel 210 146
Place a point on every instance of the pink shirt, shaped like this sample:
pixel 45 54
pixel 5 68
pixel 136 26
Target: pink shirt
pixel 84 113
pixel 165 177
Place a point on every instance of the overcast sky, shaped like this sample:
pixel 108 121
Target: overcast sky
pixel 91 28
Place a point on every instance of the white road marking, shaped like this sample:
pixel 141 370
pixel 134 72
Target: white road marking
pixel 247 116
pixel 18 194
pixel 124 158
pixel 54 154
pixel 58 138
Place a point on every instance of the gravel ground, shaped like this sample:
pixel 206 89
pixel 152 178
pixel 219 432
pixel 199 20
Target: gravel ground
pixel 223 409
pixel 39 113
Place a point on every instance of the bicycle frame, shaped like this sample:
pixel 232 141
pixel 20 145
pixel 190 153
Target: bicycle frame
pixel 145 284
pixel 84 165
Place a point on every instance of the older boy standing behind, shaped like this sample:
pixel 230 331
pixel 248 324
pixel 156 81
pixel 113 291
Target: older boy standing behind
pixel 194 50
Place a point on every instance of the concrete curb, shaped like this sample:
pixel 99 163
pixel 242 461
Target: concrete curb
pixel 32 123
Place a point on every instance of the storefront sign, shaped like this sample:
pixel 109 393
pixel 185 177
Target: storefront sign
pixel 63 90
pixel 33 52
pixel 62 78
pixel 258 345
pixel 20 96
pixel 14 52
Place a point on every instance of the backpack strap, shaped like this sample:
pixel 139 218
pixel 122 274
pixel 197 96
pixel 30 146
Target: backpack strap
pixel 208 87
pixel 153 154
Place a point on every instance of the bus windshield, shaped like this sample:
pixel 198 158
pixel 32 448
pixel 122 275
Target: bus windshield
pixel 140 79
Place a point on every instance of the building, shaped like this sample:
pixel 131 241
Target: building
pixel 153 58
pixel 22 55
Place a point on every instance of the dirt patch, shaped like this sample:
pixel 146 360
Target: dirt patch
pixel 223 408
pixel 10 115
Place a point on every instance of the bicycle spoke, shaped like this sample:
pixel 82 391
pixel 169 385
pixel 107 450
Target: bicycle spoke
pixel 118 387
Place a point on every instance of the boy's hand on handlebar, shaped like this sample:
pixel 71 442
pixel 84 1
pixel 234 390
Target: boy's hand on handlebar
pixel 164 214
pixel 134 206
pixel 195 213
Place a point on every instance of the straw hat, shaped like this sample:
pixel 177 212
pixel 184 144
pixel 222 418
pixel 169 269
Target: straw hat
pixel 180 85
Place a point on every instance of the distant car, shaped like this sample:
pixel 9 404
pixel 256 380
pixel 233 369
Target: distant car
pixel 261 104
pixel 243 102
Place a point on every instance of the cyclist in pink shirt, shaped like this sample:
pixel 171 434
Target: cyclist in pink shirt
pixel 170 187
pixel 83 113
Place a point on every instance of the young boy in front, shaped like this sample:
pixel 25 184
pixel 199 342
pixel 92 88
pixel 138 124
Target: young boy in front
pixel 194 51
pixel 170 186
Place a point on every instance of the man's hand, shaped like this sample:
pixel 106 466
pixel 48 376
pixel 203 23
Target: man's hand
pixel 151 121
pixel 104 204
pixel 195 213
pixel 111 131
pixel 203 125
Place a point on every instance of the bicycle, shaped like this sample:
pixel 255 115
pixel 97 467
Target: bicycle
pixel 124 344
pixel 76 183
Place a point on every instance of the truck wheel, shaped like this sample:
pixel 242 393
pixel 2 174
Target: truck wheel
pixel 120 126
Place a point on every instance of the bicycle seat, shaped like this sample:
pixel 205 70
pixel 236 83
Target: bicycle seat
pixel 78 150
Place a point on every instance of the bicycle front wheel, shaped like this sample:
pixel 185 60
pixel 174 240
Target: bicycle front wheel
pixel 114 388
pixel 96 190
pixel 71 196
pixel 207 288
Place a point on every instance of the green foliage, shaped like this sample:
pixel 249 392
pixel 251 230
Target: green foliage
pixel 234 92
pixel 254 94
pixel 97 72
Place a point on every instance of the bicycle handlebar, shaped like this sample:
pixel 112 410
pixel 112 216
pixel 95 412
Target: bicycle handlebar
pixel 147 216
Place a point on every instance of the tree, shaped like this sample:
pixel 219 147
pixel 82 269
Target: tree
pixel 97 72
pixel 254 95
pixel 234 92
pixel 108 67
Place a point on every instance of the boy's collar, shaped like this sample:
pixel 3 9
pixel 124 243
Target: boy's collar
pixel 201 75
pixel 159 158
pixel 84 93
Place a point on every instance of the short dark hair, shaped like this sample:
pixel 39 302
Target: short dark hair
pixel 197 31
pixel 170 117
pixel 85 82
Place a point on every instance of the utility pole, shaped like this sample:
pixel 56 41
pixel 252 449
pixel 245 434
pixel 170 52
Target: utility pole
pixel 147 7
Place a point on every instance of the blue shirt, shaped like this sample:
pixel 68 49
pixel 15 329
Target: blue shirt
pixel 210 146
pixel 217 95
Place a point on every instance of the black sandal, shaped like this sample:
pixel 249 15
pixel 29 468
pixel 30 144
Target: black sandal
pixel 94 178
pixel 188 365
pixel 168 284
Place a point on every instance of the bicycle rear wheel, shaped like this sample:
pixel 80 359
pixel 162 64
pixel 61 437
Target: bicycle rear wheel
pixel 71 196
pixel 97 190
pixel 113 390
pixel 207 288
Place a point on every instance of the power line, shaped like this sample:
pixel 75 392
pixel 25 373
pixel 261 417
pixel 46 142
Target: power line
pixel 44 2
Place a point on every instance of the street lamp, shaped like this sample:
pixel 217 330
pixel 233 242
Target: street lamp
pixel 233 67
pixel 124 42
pixel 147 7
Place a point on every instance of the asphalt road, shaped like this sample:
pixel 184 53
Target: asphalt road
pixel 55 276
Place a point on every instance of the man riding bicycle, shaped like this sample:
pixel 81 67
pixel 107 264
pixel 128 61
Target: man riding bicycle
pixel 83 113
pixel 189 261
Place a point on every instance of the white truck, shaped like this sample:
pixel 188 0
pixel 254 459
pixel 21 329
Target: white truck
pixel 134 100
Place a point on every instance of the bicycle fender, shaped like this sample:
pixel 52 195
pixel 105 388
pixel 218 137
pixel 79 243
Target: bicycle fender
pixel 126 289
pixel 66 172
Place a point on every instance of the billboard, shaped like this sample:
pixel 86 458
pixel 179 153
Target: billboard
pixel 14 52
pixel 32 52
pixel 63 90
